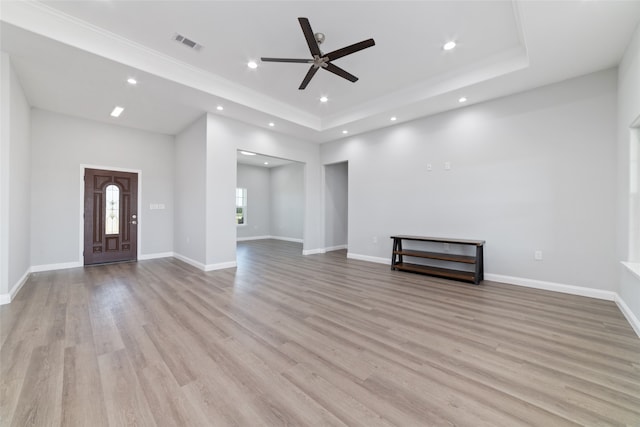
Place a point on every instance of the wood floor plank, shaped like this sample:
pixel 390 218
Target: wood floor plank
pixel 82 396
pixel 40 401
pixel 124 399
pixel 78 321
pixel 349 410
pixel 287 339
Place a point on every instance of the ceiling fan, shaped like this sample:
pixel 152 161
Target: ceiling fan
pixel 321 60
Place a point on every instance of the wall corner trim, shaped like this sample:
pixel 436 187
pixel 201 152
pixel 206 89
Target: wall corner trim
pixel 631 318
pixel 205 267
pixel 189 261
pixel 220 266
pixel 8 297
pixel 335 248
pixel 313 251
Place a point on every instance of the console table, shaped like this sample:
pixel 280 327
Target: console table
pixel 399 254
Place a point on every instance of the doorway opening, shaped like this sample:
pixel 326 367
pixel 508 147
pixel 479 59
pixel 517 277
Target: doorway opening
pixel 336 210
pixel 110 214
pixel 270 198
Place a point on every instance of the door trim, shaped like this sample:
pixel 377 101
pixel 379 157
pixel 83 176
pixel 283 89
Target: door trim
pixel 84 166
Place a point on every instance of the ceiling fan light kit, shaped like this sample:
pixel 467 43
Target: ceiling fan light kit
pixel 319 59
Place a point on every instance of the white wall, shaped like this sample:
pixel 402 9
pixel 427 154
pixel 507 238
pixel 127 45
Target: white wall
pixel 15 152
pixel 256 180
pixel 336 204
pixel 189 240
pixel 60 145
pixel 628 111
pixel 221 195
pixel 287 201
pixel 5 138
pixel 532 171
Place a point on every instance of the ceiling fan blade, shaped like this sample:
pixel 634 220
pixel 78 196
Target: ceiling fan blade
pixel 340 72
pixel 301 61
pixel 311 38
pixel 312 71
pixel 350 49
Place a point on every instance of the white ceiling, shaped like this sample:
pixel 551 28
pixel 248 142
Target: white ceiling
pixel 74 57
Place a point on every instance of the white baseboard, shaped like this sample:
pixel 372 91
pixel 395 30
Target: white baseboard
pixel 245 239
pixel 189 261
pixel 377 260
pixel 552 286
pixel 220 266
pixel 51 267
pixel 335 248
pixel 631 318
pixel 313 251
pixel 155 256
pixel 8 297
pixel 287 239
pixel 203 267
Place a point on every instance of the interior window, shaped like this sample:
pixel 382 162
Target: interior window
pixel 241 206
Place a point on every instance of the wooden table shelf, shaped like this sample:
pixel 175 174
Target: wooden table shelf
pixel 476 276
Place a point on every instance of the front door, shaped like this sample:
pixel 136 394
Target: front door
pixel 110 216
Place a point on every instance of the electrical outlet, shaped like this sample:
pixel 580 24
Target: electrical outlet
pixel 374 239
pixel 429 167
pixel 537 255
pixel 447 166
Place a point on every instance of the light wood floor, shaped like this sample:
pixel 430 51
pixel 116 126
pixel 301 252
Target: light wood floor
pixel 308 341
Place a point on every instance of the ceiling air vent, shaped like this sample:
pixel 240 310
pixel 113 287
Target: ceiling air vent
pixel 187 42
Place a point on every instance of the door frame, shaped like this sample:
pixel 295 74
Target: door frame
pixel 84 166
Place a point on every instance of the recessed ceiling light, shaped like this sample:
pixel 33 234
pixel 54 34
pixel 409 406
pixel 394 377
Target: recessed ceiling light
pixel 132 81
pixel 272 124
pixel 323 99
pixel 345 131
pixel 219 108
pixel 266 163
pixel 393 119
pixel 463 99
pixel 252 64
pixel 449 45
pixel 247 153
pixel 117 111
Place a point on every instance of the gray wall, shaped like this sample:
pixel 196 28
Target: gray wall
pixel 532 171
pixel 628 111
pixel 256 180
pixel 336 194
pixel 287 201
pixel 221 194
pixel 15 199
pixel 190 174
pixel 60 145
